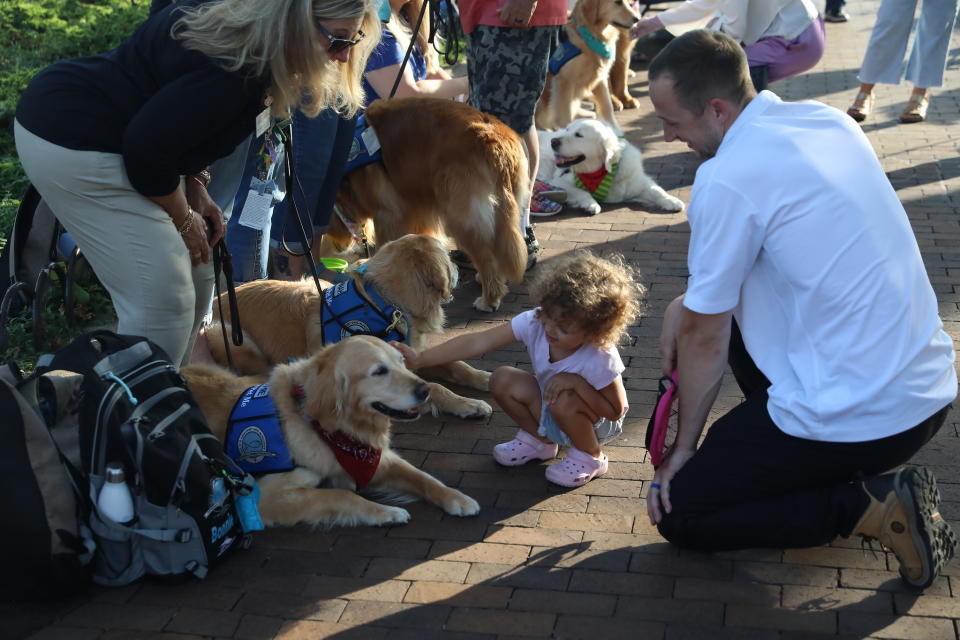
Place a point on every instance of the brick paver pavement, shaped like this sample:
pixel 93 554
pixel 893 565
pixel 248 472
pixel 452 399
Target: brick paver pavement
pixel 543 562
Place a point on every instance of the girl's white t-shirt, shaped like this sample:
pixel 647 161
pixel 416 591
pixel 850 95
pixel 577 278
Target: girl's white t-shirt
pixel 599 367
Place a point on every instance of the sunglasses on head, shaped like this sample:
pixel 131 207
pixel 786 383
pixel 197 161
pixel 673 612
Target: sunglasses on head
pixel 339 44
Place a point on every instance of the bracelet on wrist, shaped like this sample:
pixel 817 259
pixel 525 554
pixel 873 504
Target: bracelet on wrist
pixel 187 223
pixel 203 177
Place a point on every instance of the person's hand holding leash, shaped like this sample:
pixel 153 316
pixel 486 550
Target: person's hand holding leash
pixel 517 13
pixel 193 231
pixel 202 203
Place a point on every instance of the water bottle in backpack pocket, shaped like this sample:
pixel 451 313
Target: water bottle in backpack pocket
pixel 137 411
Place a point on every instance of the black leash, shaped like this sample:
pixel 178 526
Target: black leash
pixel 223 262
pixel 286 130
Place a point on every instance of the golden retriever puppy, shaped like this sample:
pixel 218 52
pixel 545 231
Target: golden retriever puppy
pixel 334 411
pixel 412 275
pixel 444 168
pixel 593 165
pixel 592 29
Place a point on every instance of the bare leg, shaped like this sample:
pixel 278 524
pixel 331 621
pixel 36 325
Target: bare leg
pixel 533 152
pixel 519 394
pixel 576 419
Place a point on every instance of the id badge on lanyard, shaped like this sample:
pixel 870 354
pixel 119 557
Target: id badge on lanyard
pixel 263 190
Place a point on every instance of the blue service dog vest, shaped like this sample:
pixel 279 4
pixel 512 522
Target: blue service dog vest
pixel 564 54
pixel 254 439
pixel 365 148
pixel 347 311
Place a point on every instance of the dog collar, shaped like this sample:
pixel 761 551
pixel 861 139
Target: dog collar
pixel 596 45
pixel 357 459
pixel 597 183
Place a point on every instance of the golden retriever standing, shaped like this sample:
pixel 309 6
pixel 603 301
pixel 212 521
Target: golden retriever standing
pixel 593 28
pixel 282 319
pixel 337 403
pixel 445 168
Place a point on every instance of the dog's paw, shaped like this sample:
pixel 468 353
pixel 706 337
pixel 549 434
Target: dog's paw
pixel 482 380
pixel 630 102
pixel 391 515
pixel 480 305
pixel 475 410
pixel 460 504
pixel 672 204
pixel 591 209
pixel 615 101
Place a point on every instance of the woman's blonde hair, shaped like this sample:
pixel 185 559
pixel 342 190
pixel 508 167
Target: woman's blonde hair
pixel 598 296
pixel 279 42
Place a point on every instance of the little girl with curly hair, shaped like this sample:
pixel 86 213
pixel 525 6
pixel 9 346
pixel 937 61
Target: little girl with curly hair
pixel 575 395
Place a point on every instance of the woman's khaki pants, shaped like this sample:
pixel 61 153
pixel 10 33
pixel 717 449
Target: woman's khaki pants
pixel 130 241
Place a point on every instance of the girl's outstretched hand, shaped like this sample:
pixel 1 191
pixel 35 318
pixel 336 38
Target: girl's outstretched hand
pixel 410 356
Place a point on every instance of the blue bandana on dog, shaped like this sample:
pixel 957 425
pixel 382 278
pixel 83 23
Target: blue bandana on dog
pixel 254 439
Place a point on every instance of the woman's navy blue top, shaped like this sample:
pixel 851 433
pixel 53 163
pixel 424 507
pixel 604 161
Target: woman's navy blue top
pixel 168 111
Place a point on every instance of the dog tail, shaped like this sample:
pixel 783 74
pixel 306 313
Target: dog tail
pixel 513 195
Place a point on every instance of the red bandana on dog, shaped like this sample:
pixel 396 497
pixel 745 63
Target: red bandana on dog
pixel 358 459
pixel 597 183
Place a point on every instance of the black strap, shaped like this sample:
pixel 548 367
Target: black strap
pixel 413 42
pixel 451 54
pixel 286 131
pixel 223 262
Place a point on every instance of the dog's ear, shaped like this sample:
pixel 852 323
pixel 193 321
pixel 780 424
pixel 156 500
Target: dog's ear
pixel 341 388
pixel 612 147
pixel 327 389
pixel 589 11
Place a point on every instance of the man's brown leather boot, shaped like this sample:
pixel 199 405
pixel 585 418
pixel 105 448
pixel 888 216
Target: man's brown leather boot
pixel 903 516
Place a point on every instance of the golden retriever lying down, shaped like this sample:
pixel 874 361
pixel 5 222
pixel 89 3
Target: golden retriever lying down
pixel 283 320
pixel 445 168
pixel 346 393
pixel 593 28
pixel 588 146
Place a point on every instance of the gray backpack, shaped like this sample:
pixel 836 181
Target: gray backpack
pixel 137 410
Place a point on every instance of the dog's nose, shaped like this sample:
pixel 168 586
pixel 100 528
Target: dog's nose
pixel 555 143
pixel 421 392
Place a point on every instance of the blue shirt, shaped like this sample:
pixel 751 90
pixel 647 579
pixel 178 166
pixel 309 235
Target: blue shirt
pixel 389 52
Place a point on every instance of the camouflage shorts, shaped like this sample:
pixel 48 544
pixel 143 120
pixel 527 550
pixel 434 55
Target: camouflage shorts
pixel 508 68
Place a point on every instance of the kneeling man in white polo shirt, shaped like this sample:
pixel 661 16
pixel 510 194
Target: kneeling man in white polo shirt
pixel 805 273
